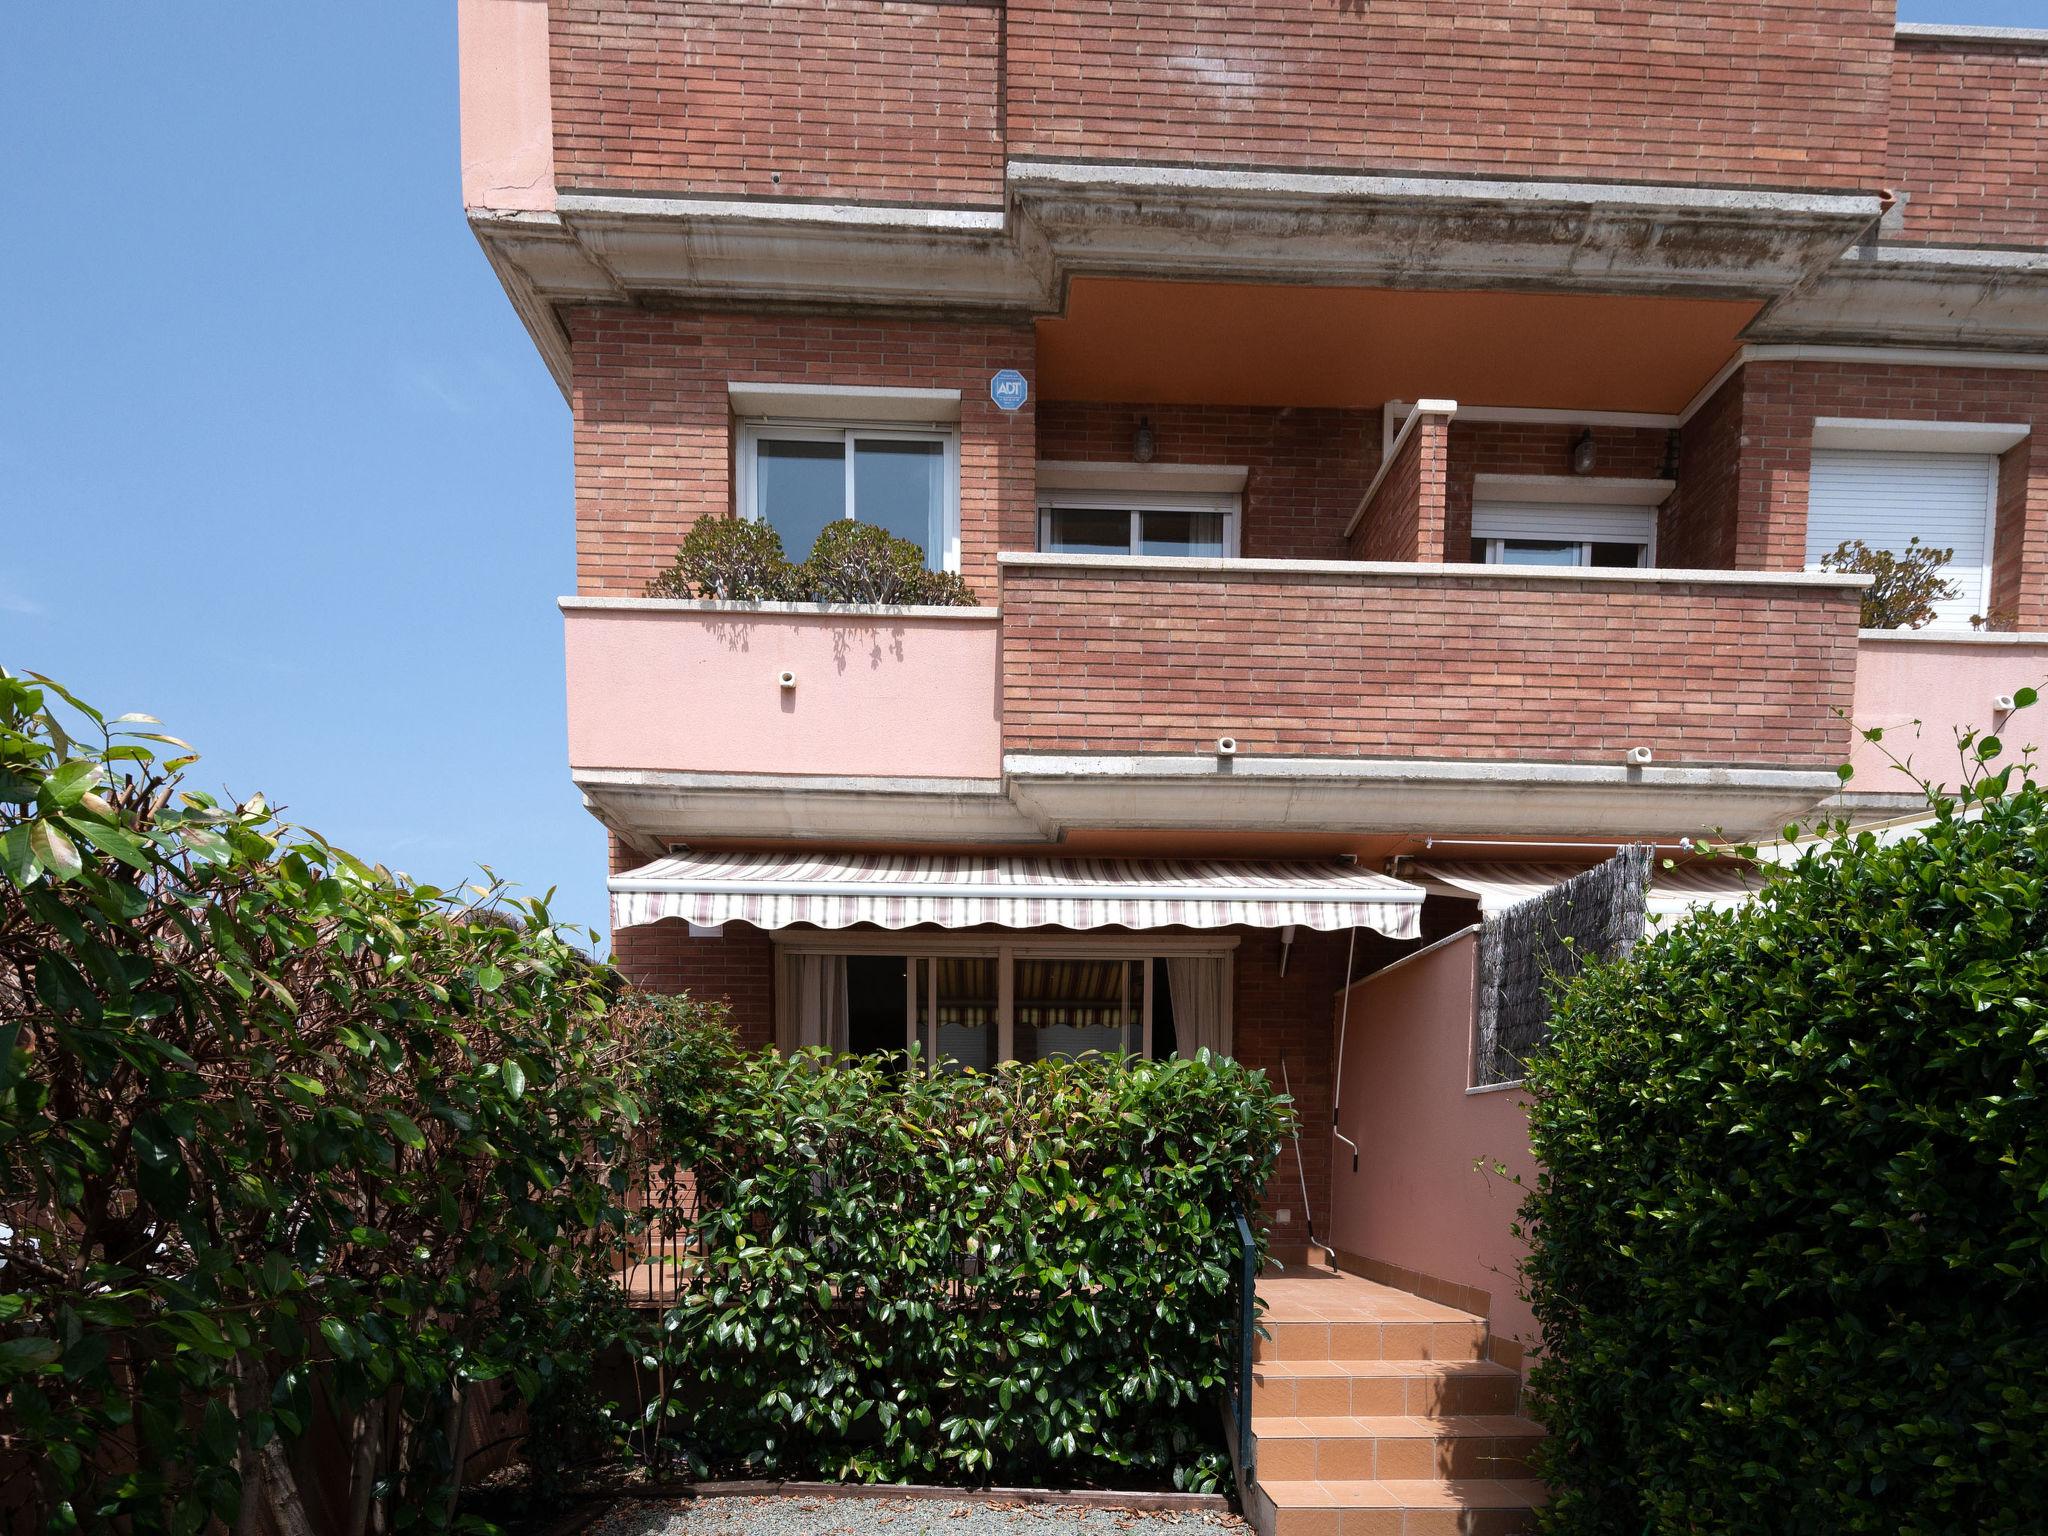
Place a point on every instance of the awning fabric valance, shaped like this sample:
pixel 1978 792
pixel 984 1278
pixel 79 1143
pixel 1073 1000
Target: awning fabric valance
pixel 1673 892
pixel 838 890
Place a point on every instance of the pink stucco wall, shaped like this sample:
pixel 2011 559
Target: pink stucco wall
pixel 508 131
pixel 682 686
pixel 1946 684
pixel 1425 1198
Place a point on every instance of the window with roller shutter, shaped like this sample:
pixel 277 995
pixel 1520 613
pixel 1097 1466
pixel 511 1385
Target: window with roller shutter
pixel 1886 499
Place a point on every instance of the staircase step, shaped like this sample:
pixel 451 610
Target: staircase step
pixel 1401 1448
pixel 1317 1339
pixel 1372 1507
pixel 1327 1388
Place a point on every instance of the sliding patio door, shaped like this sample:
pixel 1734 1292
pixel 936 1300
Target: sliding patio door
pixel 973 1006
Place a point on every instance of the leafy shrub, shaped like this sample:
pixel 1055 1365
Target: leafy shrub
pixel 1790 1250
pixel 732 559
pixel 854 562
pixel 1023 1276
pixel 737 560
pixel 1906 586
pixel 282 1135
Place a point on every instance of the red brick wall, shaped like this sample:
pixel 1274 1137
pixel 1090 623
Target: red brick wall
pixel 1286 1019
pixel 1453 667
pixel 738 968
pixel 1969 141
pixel 2019 552
pixel 865 99
pixel 1787 93
pixel 1404 520
pixel 654 429
pixel 1521 448
pixel 1699 527
pixel 1781 401
pixel 1305 468
pixel 1747 456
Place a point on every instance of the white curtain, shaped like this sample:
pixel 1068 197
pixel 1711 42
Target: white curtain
pixel 818 1008
pixel 1201 1013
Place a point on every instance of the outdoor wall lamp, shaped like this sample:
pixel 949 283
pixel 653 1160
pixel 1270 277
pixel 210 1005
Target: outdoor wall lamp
pixel 1583 453
pixel 1143 445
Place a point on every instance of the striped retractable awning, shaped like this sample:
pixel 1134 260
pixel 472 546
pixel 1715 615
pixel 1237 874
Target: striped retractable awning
pixel 1673 892
pixel 838 890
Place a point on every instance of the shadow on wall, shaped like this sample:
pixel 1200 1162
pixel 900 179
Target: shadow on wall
pixel 1426 1200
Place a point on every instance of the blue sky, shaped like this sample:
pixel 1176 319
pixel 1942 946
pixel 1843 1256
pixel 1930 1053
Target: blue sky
pixel 277 463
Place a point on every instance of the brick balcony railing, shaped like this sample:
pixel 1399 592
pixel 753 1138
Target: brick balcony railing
pixel 1706 668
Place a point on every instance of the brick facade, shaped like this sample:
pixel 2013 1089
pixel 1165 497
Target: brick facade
pixel 1786 93
pixel 1748 453
pixel 861 99
pixel 877 101
pixel 654 429
pixel 1306 468
pixel 1969 141
pixel 1426 666
pixel 1700 525
pixel 1404 519
pixel 1522 448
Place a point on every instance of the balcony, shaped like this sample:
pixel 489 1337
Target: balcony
pixel 1402 697
pixel 698 719
pixel 1921 689
pixel 1359 699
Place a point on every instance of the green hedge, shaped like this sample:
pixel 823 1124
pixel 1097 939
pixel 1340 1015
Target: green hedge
pixel 292 1151
pixel 1023 1277
pixel 1789 1248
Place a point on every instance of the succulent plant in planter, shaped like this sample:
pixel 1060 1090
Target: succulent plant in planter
pixel 735 560
pixel 855 562
pixel 731 559
pixel 1908 582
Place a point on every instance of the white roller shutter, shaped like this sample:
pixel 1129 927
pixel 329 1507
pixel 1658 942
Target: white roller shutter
pixel 1885 499
pixel 1562 520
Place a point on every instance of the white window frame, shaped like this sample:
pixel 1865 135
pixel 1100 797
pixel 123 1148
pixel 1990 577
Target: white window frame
pixel 914 946
pixel 1563 528
pixel 1495 550
pixel 747 480
pixel 1137 503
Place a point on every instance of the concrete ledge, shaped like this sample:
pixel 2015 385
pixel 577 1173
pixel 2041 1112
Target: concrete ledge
pixel 654 808
pixel 1402 770
pixel 964 221
pixel 843 612
pixel 1189 565
pixel 1947 637
pixel 2002 261
pixel 1937 32
pixel 1374 795
pixel 1287 186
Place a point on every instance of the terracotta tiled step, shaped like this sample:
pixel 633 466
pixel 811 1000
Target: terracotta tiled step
pixel 1452 1338
pixel 1333 1388
pixel 1468 1507
pixel 1398 1448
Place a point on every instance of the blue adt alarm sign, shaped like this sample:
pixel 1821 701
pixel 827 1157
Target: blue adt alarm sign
pixel 1008 389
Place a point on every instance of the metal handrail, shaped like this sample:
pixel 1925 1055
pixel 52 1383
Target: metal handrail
pixel 1247 1329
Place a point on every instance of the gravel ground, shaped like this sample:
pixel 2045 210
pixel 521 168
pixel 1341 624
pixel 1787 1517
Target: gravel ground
pixel 811 1515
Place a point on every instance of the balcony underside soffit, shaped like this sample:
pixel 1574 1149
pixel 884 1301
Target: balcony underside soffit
pixel 1276 345
pixel 1043 799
